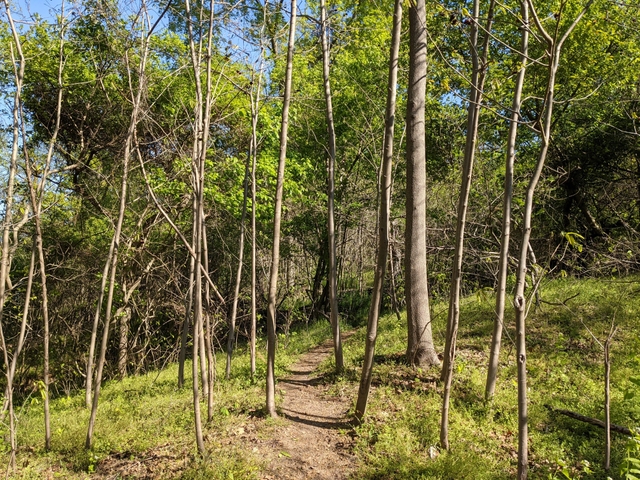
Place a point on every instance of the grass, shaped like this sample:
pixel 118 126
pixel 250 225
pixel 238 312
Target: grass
pixel 400 435
pixel 148 417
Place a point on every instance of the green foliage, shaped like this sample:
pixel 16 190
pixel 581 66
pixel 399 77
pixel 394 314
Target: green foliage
pixel 630 469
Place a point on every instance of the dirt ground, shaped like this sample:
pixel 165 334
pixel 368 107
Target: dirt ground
pixel 313 442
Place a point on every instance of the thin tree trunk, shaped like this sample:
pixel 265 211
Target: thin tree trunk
pixel 236 292
pixel 503 262
pixel 255 108
pixel 383 221
pixel 200 142
pixel 36 192
pixel 475 102
pixel 275 257
pixel 124 315
pixel 204 375
pixel 184 336
pixel 111 268
pixel 392 275
pixel 607 407
pixel 254 160
pixel 554 46
pixel 211 376
pixel 96 322
pixel 23 329
pixel 333 278
pixel 19 66
pixel 420 348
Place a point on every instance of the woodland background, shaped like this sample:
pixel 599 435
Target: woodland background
pixel 112 154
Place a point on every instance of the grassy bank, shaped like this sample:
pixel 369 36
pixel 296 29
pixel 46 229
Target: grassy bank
pixel 565 370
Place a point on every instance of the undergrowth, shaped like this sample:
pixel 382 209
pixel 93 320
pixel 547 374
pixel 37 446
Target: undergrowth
pixel 148 417
pixel 399 438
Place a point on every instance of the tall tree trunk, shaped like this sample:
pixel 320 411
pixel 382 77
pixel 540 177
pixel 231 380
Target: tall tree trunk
pixel 333 278
pixel 130 144
pixel 19 66
pixel 199 152
pixel 473 119
pixel 116 243
pixel 383 220
pixel 275 257
pixel 420 348
pixel 255 109
pixel 503 261
pixel 554 46
pixel 36 192
pixel 254 161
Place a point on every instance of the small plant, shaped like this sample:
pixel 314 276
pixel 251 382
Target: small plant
pixel 568 473
pixel 630 469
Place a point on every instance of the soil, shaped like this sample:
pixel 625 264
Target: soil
pixel 312 441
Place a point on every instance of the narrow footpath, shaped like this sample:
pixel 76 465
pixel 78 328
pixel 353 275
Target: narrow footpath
pixel 314 442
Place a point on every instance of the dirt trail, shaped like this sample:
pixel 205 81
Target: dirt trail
pixel 312 444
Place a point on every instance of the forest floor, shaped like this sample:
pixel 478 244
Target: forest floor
pixel 312 438
pixel 144 428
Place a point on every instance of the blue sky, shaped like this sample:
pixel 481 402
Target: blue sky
pixel 22 10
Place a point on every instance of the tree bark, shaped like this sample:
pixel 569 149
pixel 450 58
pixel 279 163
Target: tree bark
pixel 129 145
pixel 275 257
pixel 554 46
pixel 333 276
pixel 19 66
pixel 420 348
pixel 383 220
pixel 236 292
pixel 475 102
pixel 503 262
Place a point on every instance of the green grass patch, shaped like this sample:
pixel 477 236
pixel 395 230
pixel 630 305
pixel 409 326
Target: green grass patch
pixel 148 420
pixel 399 438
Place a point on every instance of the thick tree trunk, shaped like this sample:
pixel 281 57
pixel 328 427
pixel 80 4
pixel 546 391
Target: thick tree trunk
pixel 383 220
pixel 420 348
pixel 333 276
pixel 275 257
pixel 503 262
